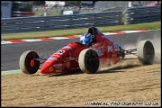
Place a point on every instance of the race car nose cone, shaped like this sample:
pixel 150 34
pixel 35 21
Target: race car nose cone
pixel 47 68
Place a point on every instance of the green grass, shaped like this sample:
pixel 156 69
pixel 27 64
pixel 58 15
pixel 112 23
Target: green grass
pixel 58 33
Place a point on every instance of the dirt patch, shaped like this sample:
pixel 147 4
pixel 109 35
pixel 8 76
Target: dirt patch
pixel 130 84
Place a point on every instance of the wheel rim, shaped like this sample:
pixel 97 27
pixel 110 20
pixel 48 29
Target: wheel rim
pixel 31 64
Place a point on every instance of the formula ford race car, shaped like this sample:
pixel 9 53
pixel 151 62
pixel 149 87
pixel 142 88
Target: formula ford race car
pixel 87 58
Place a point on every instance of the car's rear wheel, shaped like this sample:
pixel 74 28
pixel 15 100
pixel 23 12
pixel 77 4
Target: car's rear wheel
pixel 146 52
pixel 28 62
pixel 88 61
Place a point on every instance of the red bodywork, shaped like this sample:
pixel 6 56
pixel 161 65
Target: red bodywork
pixel 65 59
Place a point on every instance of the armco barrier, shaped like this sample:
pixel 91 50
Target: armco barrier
pixel 143 14
pixel 28 24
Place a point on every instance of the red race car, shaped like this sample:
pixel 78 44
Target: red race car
pixel 85 57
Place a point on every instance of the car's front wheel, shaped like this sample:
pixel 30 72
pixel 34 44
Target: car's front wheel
pixel 88 61
pixel 28 63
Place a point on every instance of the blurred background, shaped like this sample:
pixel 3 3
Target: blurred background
pixel 51 8
pixel 79 7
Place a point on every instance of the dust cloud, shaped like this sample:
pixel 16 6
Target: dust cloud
pixel 124 64
pixel 131 60
pixel 156 41
pixel 157 46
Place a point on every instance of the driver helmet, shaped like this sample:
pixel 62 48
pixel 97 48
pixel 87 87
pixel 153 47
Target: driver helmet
pixel 86 39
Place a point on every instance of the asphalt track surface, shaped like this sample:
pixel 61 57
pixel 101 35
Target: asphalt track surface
pixel 10 53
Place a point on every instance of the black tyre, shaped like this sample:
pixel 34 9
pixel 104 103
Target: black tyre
pixel 28 63
pixel 88 61
pixel 146 52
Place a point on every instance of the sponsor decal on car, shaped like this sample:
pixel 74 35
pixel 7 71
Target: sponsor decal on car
pixel 52 59
pixel 51 69
pixel 60 52
pixel 95 45
pixel 69 58
pixel 116 47
pixel 110 49
pixel 59 70
pixel 57 66
pixel 100 51
pixel 68 47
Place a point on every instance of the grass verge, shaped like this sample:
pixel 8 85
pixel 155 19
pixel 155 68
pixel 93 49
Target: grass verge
pixel 59 33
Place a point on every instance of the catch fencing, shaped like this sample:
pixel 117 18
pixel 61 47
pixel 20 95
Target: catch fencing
pixel 28 24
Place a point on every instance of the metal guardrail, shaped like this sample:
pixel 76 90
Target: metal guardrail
pixel 28 24
pixel 143 14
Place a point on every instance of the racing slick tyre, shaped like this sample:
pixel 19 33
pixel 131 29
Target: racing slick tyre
pixel 88 61
pixel 28 63
pixel 146 52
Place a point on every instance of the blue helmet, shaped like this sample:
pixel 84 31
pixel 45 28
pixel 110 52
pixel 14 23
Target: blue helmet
pixel 86 39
